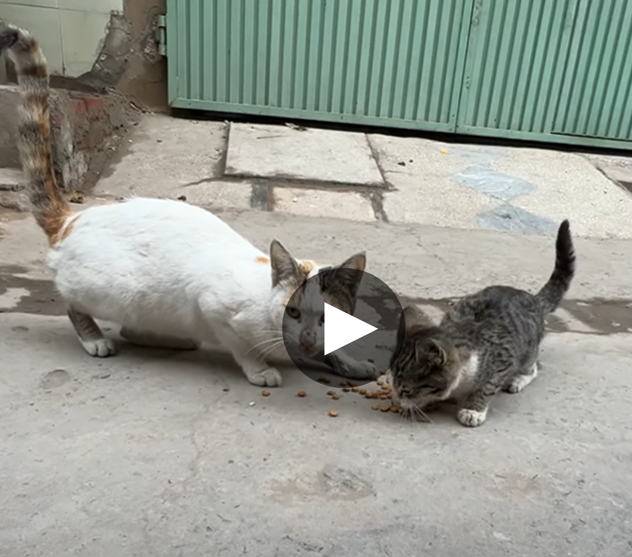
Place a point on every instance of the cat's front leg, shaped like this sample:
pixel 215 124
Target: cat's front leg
pixel 253 366
pixel 346 366
pixel 473 412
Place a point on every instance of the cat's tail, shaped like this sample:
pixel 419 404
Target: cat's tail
pixel 554 290
pixel 49 207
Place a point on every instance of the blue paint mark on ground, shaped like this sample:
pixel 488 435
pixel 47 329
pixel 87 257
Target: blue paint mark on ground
pixel 508 218
pixel 492 183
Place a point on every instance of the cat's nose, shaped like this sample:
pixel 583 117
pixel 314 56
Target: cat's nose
pixel 308 343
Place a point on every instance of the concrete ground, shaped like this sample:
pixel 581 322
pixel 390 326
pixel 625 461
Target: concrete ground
pixel 158 453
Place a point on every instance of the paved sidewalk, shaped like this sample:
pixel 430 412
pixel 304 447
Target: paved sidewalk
pixel 354 176
pixel 155 453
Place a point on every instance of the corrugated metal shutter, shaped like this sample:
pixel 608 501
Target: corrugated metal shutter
pixel 545 70
pixel 383 62
pixel 595 99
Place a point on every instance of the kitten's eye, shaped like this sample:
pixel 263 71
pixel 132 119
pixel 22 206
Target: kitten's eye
pixel 293 312
pixel 435 391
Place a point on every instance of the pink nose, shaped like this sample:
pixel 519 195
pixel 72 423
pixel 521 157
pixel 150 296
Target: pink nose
pixel 308 344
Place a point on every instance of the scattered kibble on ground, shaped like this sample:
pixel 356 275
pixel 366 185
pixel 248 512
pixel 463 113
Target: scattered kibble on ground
pixel 333 413
pixel 265 393
pixel 302 394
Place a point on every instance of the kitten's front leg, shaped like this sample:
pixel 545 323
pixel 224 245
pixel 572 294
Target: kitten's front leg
pixel 346 366
pixel 474 410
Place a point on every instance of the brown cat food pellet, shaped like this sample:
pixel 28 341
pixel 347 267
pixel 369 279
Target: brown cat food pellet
pixel 375 407
pixel 335 396
pixel 383 397
pixel 393 408
pixel 380 382
pixel 330 393
pixel 355 389
pixel 400 410
pixel 333 413
pixel 265 393
pixel 370 360
pixel 362 391
pixel 368 395
pixel 351 384
pixel 384 408
pixel 324 379
pixel 346 389
pixel 302 393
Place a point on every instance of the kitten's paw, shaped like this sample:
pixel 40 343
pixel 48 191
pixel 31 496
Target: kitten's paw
pixel 471 418
pixel 100 348
pixel 519 382
pixel 269 377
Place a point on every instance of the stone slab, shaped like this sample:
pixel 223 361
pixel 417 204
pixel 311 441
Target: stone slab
pixel 499 188
pixel 321 203
pixel 163 154
pixel 315 155
pixel 219 195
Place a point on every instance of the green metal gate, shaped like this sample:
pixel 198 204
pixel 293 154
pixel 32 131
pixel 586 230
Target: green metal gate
pixel 544 70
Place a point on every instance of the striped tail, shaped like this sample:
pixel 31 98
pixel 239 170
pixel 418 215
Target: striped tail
pixel 49 207
pixel 554 290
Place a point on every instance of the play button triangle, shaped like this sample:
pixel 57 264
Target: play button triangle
pixel 342 329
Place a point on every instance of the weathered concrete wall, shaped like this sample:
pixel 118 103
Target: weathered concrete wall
pixel 86 129
pixel 106 44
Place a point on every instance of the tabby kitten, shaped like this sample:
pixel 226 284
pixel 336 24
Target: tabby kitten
pixel 487 342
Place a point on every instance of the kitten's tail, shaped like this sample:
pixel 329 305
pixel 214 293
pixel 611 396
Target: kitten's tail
pixel 49 207
pixel 553 291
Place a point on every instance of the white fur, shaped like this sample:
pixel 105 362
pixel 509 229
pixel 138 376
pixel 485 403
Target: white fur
pixel 467 375
pixel 167 268
pixel 471 418
pixel 519 382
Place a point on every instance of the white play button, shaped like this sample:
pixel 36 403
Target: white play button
pixel 342 329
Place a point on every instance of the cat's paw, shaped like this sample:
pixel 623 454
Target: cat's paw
pixel 269 377
pixel 99 348
pixel 471 418
pixel 367 370
pixel 519 382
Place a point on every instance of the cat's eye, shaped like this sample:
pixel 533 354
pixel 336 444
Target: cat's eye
pixel 435 391
pixel 293 312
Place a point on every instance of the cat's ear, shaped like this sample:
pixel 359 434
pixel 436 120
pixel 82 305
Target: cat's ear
pixel 439 354
pixel 415 317
pixel 356 262
pixel 284 266
pixel 349 274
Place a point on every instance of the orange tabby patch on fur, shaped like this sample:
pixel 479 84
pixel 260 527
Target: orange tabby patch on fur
pixel 262 260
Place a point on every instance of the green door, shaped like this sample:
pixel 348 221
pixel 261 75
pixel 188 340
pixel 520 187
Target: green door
pixel 595 100
pixel 376 62
pixel 512 74
pixel 543 70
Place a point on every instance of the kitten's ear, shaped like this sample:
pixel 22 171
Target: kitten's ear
pixel 284 266
pixel 439 353
pixel 415 317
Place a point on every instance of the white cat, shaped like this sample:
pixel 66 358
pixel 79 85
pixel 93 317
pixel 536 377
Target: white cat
pixel 172 275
